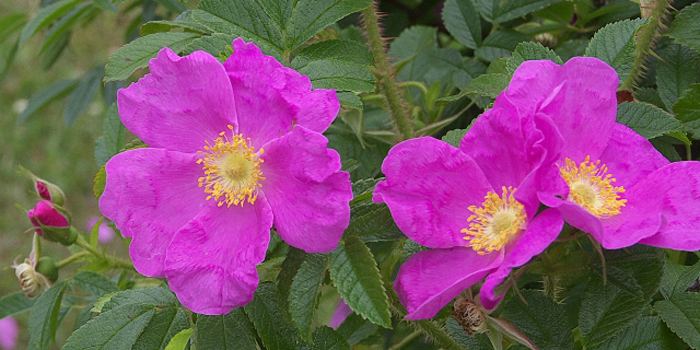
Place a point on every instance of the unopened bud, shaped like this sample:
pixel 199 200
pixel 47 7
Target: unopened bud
pixel 47 267
pixel 52 223
pixel 547 40
pixel 29 280
pixel 469 316
pixel 45 189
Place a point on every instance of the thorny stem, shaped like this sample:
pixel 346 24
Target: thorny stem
pixel 71 259
pixel 386 85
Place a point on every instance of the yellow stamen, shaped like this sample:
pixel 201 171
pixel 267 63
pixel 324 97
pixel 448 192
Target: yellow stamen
pixel 494 223
pixel 591 187
pixel 232 170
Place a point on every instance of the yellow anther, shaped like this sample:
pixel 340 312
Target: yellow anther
pixel 232 170
pixel 590 186
pixel 496 222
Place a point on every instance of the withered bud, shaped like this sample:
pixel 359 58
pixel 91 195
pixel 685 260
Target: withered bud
pixel 30 281
pixel 469 316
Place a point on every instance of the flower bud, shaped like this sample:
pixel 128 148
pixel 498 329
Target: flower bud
pixel 45 189
pixel 469 316
pixel 47 267
pixel 30 281
pixel 52 223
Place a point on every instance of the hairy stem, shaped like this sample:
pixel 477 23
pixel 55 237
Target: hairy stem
pixel 112 261
pixel 655 11
pixel 386 85
pixel 72 259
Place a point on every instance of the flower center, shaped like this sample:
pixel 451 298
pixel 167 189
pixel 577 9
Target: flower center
pixel 232 170
pixel 494 223
pixel 591 187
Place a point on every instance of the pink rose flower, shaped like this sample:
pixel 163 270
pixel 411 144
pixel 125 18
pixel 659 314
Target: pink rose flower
pixel 235 148
pixel 613 183
pixel 9 331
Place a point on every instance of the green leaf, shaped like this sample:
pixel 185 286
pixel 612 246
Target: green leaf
pixel 64 25
pixel 112 139
pixel 478 342
pixel 310 17
pixel 646 119
pixel 369 155
pixel 571 48
pixel 106 5
pixel 499 44
pixel 174 6
pixel 687 108
pixel 94 283
pixel 215 44
pixel 274 332
pixel 278 10
pixel 79 100
pixel 180 340
pixel 116 329
pixel 607 308
pixel 99 182
pixel 45 96
pixel 13 304
pixel 645 333
pixel 354 272
pixel 232 331
pixel 43 319
pixel 462 21
pixel 326 338
pixel 412 50
pixel 156 297
pixel 355 329
pixel 336 64
pixel 678 69
pixel 165 324
pixel 455 136
pixel 137 53
pixel 682 315
pixel 541 320
pixel 490 85
pixel 305 286
pixel 10 24
pixel 349 99
pixel 372 222
pixel 530 51
pixel 45 16
pixel 684 28
pixel 245 19
pixel 290 266
pixel 496 11
pixel 615 44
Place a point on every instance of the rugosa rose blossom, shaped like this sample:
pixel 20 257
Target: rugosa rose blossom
pixel 474 205
pixel 235 148
pixel 613 183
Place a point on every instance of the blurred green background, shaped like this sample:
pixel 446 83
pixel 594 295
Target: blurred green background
pixel 44 145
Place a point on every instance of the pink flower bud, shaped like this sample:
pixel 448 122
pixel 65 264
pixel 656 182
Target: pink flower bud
pixel 52 223
pixel 48 191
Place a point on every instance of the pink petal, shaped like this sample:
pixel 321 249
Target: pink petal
pixel 210 265
pixel 542 231
pixel 674 192
pixel 150 193
pixel 181 103
pixel 44 214
pixel 630 157
pixel 307 192
pixel 580 218
pixel 271 99
pixel 429 187
pixel 429 280
pixel 579 96
pixel 342 311
pixel 9 332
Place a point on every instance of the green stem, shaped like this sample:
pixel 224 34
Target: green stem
pixel 72 259
pixel 417 84
pixel 386 85
pixel 405 341
pixel 82 243
pixel 688 152
pixel 112 261
pixel 37 246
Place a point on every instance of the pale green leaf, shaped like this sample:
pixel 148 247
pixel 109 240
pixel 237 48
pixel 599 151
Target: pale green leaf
pixel 684 28
pixel 490 85
pixel 354 272
pixel 530 51
pixel 106 5
pixel 455 136
pixel 45 16
pixel 45 96
pixel 305 286
pixel 10 24
pixel 232 331
pixel 43 319
pixel 65 24
pixel 462 21
pixel 137 53
pixel 180 340
pixel 678 69
pixel 615 44
pixel 216 44
pixel 94 283
pixel 682 315
pixel 646 119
